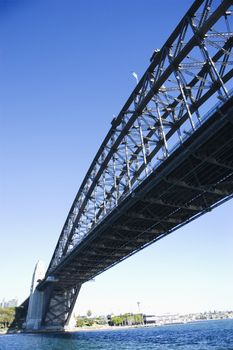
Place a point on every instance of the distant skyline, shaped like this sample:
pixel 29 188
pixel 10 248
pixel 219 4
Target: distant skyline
pixel 66 69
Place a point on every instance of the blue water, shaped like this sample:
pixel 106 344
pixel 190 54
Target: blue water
pixel 209 335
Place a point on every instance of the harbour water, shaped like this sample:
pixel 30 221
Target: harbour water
pixel 206 335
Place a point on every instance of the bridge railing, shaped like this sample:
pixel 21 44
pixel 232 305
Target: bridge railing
pixel 190 72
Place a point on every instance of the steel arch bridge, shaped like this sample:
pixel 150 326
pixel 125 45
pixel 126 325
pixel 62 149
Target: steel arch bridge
pixel 166 160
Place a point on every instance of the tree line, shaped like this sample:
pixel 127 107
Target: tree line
pixel 7 316
pixel 126 319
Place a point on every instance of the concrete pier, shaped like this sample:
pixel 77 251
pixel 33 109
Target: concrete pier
pixel 35 307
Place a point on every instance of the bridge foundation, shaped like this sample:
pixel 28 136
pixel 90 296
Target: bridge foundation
pixel 35 311
pixel 36 299
pixel 50 308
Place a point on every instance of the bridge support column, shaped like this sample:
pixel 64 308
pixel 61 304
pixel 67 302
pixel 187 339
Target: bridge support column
pixel 50 308
pixel 36 300
pixel 35 311
pixel 58 307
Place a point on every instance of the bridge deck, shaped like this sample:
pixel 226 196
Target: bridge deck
pixel 150 175
pixel 195 178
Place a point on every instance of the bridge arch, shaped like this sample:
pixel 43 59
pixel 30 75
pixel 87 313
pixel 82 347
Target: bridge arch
pixel 164 161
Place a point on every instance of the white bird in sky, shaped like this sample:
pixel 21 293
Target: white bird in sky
pixel 135 76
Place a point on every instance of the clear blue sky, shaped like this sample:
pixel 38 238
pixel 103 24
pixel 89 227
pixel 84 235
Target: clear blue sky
pixel 65 69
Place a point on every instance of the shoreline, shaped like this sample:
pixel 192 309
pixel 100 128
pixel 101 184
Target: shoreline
pixel 112 328
pixel 104 328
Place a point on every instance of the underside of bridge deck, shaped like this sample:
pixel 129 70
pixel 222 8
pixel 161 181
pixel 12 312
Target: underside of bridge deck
pixel 166 160
pixel 196 178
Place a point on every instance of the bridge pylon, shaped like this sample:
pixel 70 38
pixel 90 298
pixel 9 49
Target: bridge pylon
pixel 59 302
pixel 35 307
pixel 58 305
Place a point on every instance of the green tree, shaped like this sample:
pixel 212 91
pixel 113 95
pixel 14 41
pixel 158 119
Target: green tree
pixel 7 316
pixel 80 322
pixel 117 320
pixel 138 319
pixel 89 322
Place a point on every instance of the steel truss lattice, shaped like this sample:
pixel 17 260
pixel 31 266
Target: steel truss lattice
pixel 192 71
pixel 60 304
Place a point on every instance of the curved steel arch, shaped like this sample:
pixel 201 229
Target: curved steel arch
pixel 192 70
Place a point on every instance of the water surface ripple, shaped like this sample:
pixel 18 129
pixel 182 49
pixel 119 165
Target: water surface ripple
pixel 210 335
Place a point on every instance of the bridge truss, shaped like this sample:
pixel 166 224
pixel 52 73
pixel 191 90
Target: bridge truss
pixel 159 166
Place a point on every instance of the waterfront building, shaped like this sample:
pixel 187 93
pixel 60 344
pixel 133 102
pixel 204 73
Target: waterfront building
pixel 149 319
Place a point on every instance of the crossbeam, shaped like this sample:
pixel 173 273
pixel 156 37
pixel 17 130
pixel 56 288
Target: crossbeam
pixel 200 188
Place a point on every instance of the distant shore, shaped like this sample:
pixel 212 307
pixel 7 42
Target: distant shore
pixel 112 328
pixel 105 327
pixel 12 331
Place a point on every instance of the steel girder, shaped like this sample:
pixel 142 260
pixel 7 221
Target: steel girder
pixel 192 71
pixel 125 186
pixel 177 193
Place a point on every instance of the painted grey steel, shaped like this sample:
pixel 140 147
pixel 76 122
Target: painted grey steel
pixel 154 171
